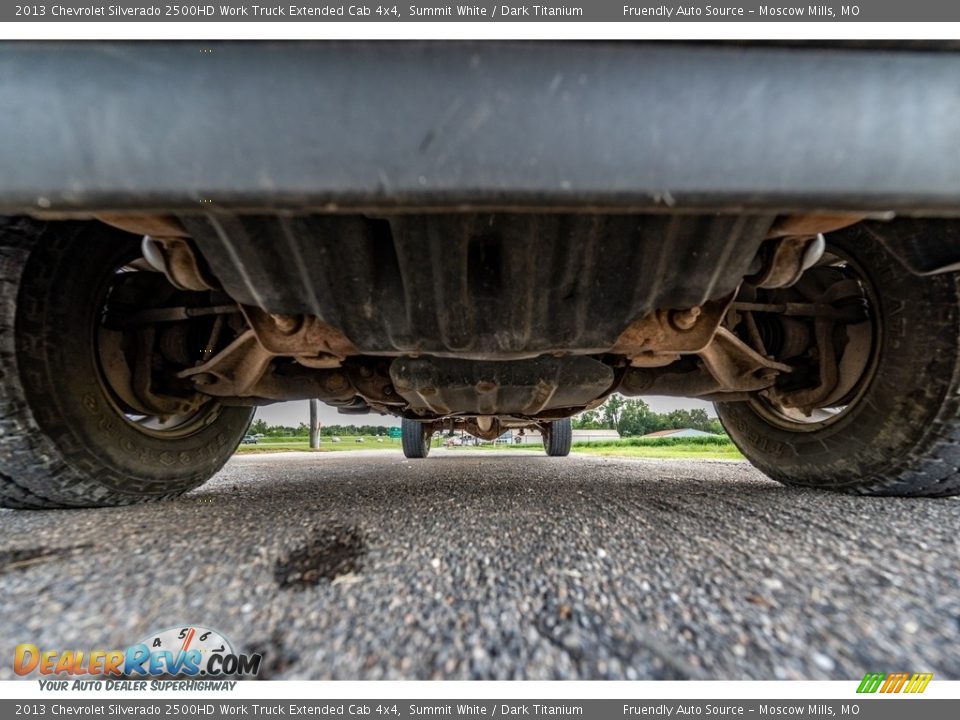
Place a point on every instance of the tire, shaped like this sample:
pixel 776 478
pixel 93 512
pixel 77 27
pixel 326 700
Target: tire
pixel 901 436
pixel 558 437
pixel 415 439
pixel 63 440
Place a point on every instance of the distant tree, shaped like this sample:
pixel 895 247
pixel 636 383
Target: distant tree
pixel 612 411
pixel 636 418
pixel 587 420
pixel 348 430
pixel 699 420
pixel 258 427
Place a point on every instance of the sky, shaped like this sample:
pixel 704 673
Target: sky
pixel 294 413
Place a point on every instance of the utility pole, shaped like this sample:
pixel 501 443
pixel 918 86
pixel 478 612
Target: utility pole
pixel 314 424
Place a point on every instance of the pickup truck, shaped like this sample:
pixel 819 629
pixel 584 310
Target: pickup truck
pixel 479 237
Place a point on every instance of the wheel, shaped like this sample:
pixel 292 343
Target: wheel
pixel 68 438
pixel 892 427
pixel 558 437
pixel 415 438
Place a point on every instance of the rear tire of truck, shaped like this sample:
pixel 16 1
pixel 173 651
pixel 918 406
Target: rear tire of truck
pixel 898 434
pixel 64 439
pixel 558 438
pixel 415 439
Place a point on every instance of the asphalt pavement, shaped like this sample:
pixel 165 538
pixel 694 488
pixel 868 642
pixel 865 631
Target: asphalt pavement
pixel 476 564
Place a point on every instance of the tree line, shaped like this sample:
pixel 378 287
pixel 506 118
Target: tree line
pixel 632 417
pixel 628 416
pixel 260 427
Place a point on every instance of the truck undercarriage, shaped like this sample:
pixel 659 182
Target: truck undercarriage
pixel 502 246
pixel 489 320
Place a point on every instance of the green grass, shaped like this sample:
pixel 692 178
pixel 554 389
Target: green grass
pixel 705 440
pixel 295 444
pixel 696 448
pixel 716 447
pixel 680 450
pixel 699 448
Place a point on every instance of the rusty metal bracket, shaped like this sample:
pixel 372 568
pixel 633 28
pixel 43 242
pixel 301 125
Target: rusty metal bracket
pixel 245 368
pixel 234 371
pixel 660 337
pixel 310 341
pixel 373 383
pixel 726 367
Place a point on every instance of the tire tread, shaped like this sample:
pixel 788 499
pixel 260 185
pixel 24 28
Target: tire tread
pixel 42 463
pixel 921 453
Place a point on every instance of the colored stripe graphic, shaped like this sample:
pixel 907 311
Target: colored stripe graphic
pixel 894 682
pixel 918 683
pixel 870 683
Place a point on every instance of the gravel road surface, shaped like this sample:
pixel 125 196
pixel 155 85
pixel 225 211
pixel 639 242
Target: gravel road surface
pixel 500 565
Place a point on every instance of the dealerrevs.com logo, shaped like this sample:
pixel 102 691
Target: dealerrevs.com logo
pixel 191 652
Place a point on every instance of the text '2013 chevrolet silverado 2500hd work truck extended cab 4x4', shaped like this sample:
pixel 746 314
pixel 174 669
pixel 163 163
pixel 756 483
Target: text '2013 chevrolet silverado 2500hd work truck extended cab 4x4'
pixel 475 236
